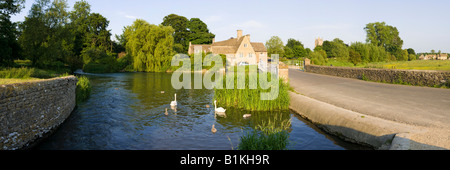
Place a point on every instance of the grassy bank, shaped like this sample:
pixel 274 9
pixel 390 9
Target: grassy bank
pixel 443 65
pixel 250 99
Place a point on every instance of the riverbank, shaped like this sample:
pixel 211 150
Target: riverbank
pixel 29 110
pixel 383 116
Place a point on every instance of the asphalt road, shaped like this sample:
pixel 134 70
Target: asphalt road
pixel 422 106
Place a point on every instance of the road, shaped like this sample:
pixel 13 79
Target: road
pixel 421 106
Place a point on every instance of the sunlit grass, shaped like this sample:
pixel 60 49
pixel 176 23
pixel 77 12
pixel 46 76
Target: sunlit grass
pixel 270 135
pixel 250 99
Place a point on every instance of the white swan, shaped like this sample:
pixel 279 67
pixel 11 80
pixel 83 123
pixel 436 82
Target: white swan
pixel 174 103
pixel 220 111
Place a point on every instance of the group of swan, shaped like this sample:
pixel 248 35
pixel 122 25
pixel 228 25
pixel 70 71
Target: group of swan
pixel 219 111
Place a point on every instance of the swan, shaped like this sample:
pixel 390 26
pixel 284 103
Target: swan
pixel 167 113
pixel 174 103
pixel 247 116
pixel 220 110
pixel 213 130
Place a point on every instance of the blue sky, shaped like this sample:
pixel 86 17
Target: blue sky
pixel 423 24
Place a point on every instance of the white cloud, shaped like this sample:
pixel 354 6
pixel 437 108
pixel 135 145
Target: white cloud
pixel 123 14
pixel 130 17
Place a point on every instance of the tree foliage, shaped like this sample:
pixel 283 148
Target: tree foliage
pixel 9 47
pixel 386 36
pixel 294 49
pixel 275 46
pixel 193 30
pixel 150 46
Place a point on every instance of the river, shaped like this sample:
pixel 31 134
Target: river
pixel 126 112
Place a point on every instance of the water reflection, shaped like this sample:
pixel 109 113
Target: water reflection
pixel 126 111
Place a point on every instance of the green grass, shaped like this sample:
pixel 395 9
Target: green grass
pixel 250 99
pixel 13 81
pixel 83 90
pixel 443 65
pixel 270 135
pixel 28 73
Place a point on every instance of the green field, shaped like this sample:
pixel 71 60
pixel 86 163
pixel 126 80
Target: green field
pixel 443 65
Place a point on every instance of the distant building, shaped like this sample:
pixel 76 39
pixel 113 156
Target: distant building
pixel 442 56
pixel 239 50
pixel 319 42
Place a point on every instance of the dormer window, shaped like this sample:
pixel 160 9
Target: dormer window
pixel 245 45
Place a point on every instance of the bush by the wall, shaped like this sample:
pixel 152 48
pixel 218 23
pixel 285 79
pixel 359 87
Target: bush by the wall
pixel 83 90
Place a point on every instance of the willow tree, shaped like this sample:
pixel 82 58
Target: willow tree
pixel 149 45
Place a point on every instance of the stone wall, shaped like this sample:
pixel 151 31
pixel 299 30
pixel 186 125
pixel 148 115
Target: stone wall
pixel 412 77
pixel 32 109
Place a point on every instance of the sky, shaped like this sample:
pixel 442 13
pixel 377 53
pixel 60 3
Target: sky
pixel 423 24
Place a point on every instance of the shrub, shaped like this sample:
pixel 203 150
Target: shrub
pixel 17 73
pixel 83 90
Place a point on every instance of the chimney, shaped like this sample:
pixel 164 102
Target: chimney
pixel 214 40
pixel 239 34
pixel 190 44
pixel 248 35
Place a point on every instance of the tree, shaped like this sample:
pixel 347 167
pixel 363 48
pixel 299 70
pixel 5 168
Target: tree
pixel 198 32
pixel 9 47
pixel 383 35
pixel 180 25
pixel 275 46
pixel 294 49
pixel 354 57
pixel 411 51
pixel 36 33
pixel 149 45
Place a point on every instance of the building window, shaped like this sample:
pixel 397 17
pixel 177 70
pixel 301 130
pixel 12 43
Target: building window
pixel 250 55
pixel 241 55
pixel 245 45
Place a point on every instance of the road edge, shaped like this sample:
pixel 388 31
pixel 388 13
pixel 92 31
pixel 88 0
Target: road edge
pixel 358 128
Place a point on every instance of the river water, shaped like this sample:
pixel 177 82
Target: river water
pixel 126 112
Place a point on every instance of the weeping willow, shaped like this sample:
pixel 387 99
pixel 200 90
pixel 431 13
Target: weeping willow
pixel 150 46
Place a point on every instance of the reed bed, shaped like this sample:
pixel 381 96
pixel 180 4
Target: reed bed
pixel 250 99
pixel 270 135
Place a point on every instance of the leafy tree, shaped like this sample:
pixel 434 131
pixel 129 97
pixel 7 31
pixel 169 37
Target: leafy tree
pixel 45 37
pixel 354 57
pixel 411 51
pixel 180 25
pixel 338 50
pixel 193 30
pixel 386 36
pixel 199 33
pixel 149 45
pixel 294 49
pixel 9 47
pixel 275 46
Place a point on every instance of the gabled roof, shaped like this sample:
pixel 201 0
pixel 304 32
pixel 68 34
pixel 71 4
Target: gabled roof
pixel 259 47
pixel 229 46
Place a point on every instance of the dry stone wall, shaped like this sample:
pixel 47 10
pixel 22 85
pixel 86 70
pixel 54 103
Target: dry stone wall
pixel 32 109
pixel 412 77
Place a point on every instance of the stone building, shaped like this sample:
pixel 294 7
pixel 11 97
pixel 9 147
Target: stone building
pixel 442 56
pixel 319 42
pixel 239 50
